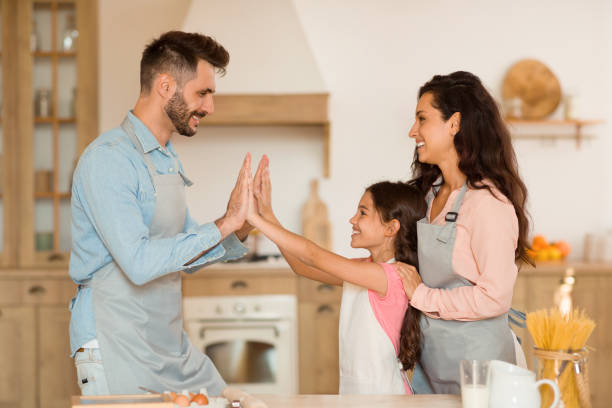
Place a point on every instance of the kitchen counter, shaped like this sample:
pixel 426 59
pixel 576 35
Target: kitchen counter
pixel 362 401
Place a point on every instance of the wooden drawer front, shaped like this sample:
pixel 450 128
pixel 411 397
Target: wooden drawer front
pixel 36 291
pixel 239 286
pixel 10 292
pixel 48 292
pixel 313 291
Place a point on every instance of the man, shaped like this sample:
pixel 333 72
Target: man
pixel 132 234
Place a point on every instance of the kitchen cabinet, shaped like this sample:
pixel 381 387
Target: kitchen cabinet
pixel 17 357
pixel 318 317
pixel 37 370
pixel 535 289
pixel 48 65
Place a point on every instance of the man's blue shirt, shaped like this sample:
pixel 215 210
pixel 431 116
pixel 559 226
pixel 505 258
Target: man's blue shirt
pixel 113 203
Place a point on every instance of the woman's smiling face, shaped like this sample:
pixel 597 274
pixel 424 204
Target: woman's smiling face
pixel 433 135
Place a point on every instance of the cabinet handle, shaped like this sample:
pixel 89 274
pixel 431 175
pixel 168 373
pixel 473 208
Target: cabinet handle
pixel 239 284
pixel 37 290
pixel 325 287
pixel 55 257
pixel 325 309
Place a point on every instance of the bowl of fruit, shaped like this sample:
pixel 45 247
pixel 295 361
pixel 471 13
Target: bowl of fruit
pixel 542 250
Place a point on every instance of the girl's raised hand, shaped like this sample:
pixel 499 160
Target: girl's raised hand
pixel 262 189
pixel 410 277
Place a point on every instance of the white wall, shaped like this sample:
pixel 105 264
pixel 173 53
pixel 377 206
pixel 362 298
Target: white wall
pixel 372 58
pixel 375 56
pixel 126 27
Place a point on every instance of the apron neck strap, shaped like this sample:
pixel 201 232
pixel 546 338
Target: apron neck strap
pixel 451 217
pixel 128 127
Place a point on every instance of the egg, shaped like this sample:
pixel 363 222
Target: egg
pixel 200 399
pixel 182 400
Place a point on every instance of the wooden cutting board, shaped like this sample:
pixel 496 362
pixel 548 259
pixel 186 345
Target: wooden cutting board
pixel 315 219
pixel 535 85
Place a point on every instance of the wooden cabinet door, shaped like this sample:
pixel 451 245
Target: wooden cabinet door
pixel 18 357
pixel 318 345
pixel 56 371
pixel 592 293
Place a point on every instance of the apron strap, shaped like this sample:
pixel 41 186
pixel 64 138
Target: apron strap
pixel 451 217
pixel 128 127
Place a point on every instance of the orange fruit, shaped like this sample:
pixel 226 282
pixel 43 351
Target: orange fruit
pixel 539 242
pixel 554 253
pixel 564 247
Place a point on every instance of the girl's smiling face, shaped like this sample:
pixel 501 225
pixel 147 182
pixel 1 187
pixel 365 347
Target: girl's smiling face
pixel 368 227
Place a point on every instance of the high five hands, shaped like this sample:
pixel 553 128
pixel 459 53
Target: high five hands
pixel 250 198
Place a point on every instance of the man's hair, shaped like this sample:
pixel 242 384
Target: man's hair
pixel 178 53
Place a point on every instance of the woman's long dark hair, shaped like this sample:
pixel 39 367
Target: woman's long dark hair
pixel 404 202
pixel 482 143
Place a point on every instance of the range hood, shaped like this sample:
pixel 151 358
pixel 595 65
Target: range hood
pixel 269 52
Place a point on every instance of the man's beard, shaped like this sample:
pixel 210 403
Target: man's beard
pixel 179 114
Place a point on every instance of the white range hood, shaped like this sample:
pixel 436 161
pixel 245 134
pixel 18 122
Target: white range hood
pixel 269 53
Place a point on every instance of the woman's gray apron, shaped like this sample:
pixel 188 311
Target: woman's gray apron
pixel 139 328
pixel 447 342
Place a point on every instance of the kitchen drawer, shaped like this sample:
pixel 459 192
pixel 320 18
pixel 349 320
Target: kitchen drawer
pixel 314 291
pixel 36 291
pixel 239 285
pixel 10 292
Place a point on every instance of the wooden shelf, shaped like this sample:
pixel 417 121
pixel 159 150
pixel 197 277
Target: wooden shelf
pixel 577 124
pixel 269 110
pixel 51 195
pixel 51 120
pixel 49 54
pixel 274 110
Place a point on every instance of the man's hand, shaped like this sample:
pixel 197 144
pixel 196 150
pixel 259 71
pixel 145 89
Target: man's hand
pixel 238 203
pixel 410 277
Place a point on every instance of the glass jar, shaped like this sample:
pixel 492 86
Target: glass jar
pixel 43 104
pixel 568 369
pixel 71 35
pixel 34 38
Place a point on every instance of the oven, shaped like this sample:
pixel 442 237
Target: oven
pixel 252 340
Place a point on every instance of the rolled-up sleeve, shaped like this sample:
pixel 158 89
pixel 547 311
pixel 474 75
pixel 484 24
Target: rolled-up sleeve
pixel 493 240
pixel 114 211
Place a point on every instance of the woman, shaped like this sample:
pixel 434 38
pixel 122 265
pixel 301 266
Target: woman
pixel 474 231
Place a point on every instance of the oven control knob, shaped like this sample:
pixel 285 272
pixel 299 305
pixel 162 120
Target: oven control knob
pixel 240 308
pixel 257 308
pixel 218 310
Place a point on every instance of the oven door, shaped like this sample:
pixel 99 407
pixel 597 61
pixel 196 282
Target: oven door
pixel 252 355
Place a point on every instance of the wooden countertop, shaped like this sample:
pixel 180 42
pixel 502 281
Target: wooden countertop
pixel 362 401
pixel 281 268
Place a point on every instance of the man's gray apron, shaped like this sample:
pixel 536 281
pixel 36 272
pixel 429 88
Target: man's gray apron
pixel 447 342
pixel 139 328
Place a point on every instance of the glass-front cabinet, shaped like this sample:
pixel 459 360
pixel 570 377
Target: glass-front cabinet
pixel 58 77
pixel 48 115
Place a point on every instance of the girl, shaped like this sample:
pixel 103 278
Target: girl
pixel 474 232
pixel 377 326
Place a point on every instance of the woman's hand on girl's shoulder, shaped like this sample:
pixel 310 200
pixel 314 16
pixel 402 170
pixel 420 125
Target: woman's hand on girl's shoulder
pixel 410 277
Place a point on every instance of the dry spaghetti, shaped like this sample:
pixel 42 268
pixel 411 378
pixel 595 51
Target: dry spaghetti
pixel 561 350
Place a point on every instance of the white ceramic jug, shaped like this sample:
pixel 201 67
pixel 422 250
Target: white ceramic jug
pixel 511 386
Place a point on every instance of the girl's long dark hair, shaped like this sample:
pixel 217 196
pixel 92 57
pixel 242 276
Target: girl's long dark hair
pixel 404 202
pixel 483 144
